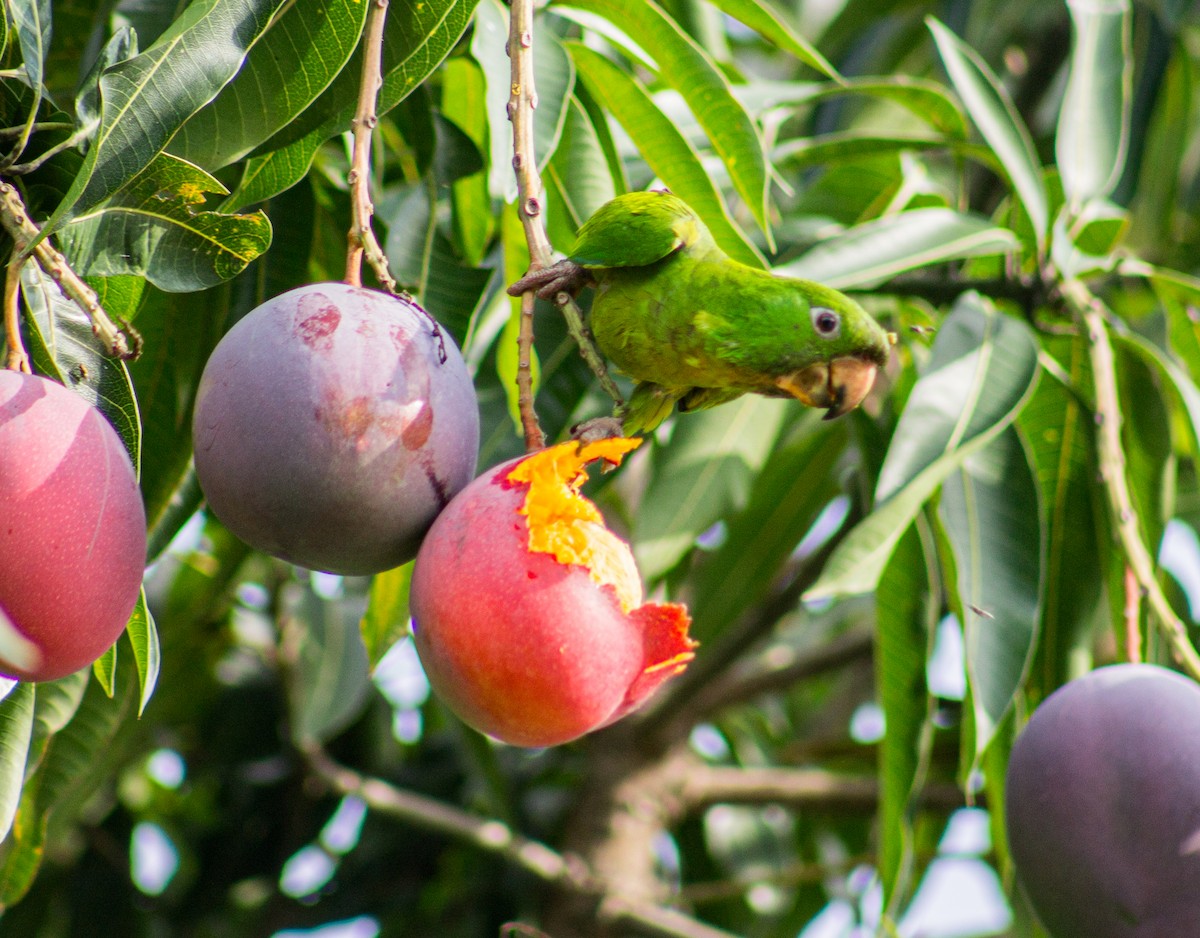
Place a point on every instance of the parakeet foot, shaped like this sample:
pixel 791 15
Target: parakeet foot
pixel 597 428
pixel 563 277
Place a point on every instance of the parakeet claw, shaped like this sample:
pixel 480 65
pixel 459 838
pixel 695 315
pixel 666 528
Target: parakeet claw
pixel 597 428
pixel 565 276
pixel 839 386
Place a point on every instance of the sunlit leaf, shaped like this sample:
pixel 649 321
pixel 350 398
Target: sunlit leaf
pixel 385 621
pixel 418 35
pixel 768 23
pixel 16 724
pixel 689 70
pixel 1094 123
pixel 666 151
pixel 156 227
pixel 875 251
pixel 143 636
pixel 284 73
pixel 146 99
pixel 994 114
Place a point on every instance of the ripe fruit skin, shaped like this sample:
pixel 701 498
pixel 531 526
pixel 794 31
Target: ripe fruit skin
pixel 327 432
pixel 522 646
pixel 72 526
pixel 1103 805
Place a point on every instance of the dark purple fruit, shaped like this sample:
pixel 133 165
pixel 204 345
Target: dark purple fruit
pixel 72 530
pixel 1103 806
pixel 329 431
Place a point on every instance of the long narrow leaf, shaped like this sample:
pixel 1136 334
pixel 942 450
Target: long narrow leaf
pixel 983 369
pixel 16 726
pixel 998 121
pixel 689 70
pixel 665 149
pixel 765 21
pixel 1093 125
pixel 303 51
pixel 146 99
pixel 990 511
pixel 875 251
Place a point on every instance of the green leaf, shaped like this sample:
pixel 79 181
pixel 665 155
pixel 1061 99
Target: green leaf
pixel 666 151
pixel 1183 388
pixel 146 99
pixel 704 471
pixel 77 757
pixel 180 331
pixel 1060 434
pixel 464 101
pixel 831 148
pixel 293 64
pixel 577 177
pixel 689 70
pixel 990 512
pixel 105 670
pixel 764 20
pixel 877 250
pixel 1092 140
pixel 553 77
pixel 155 228
pixel 797 482
pixel 923 98
pixel 906 617
pixel 983 368
pixel 332 676
pixel 998 121
pixel 63 346
pixel 417 36
pixel 385 621
pixel 143 636
pixel 16 727
pixel 55 707
pixel 31 21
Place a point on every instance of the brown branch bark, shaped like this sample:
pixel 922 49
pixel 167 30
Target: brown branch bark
pixel 521 105
pixel 1111 454
pixel 124 341
pixel 361 240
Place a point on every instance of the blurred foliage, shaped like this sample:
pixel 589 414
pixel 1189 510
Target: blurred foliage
pixel 956 165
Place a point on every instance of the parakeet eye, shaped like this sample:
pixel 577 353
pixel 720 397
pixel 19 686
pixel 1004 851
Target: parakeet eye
pixel 827 323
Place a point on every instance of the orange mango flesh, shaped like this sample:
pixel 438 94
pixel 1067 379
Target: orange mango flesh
pixel 566 525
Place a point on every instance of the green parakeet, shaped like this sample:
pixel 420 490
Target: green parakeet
pixel 696 328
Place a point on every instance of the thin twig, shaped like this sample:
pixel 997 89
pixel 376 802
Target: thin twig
pixel 1112 473
pixel 521 105
pixel 1133 617
pixel 17 358
pixel 124 341
pixel 534 437
pixel 361 237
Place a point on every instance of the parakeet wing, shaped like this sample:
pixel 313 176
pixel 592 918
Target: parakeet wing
pixel 635 230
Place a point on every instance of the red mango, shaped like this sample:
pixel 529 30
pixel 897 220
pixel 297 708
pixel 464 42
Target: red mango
pixel 527 611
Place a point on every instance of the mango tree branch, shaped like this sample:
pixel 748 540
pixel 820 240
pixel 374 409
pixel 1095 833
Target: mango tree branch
pixel 521 105
pixel 564 871
pixel 124 341
pixel 1111 456
pixel 361 237
pixel 17 358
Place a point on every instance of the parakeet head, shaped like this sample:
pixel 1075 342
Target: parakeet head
pixel 841 350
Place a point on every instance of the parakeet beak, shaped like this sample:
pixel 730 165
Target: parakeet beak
pixel 839 385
